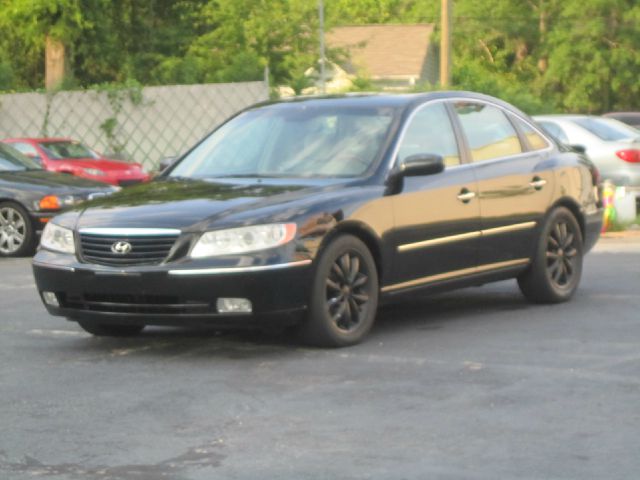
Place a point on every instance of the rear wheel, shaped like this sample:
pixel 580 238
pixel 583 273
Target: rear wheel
pixel 17 235
pixel 108 330
pixel 556 268
pixel 344 296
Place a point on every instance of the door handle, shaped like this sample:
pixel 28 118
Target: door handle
pixel 537 183
pixel 465 195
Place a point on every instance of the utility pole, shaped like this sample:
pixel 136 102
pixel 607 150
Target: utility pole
pixel 445 43
pixel 323 82
pixel 54 67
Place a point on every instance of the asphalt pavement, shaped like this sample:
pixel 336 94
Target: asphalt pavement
pixel 474 384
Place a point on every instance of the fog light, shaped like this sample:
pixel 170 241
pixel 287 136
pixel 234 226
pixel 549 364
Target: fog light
pixel 233 305
pixel 50 299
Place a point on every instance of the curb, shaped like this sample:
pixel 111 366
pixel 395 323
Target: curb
pixel 634 234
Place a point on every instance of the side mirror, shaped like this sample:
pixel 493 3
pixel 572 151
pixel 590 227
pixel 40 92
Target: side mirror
pixel 578 148
pixel 166 163
pixel 421 164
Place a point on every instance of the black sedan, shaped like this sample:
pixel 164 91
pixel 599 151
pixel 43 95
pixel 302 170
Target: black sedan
pixel 30 196
pixel 311 211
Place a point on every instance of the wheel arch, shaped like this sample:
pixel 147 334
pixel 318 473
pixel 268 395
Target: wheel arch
pixel 15 201
pixel 365 234
pixel 571 205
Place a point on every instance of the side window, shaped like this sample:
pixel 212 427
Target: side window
pixel 534 139
pixel 555 130
pixel 26 148
pixel 488 131
pixel 430 131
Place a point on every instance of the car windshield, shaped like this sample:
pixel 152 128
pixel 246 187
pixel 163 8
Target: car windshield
pixel 65 150
pixel 608 129
pixel 12 160
pixel 293 140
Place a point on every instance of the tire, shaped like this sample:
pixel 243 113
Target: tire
pixel 344 295
pixel 556 268
pixel 108 330
pixel 17 234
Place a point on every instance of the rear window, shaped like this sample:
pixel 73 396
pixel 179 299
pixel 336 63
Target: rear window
pixel 608 130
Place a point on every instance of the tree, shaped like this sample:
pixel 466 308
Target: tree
pixel 543 55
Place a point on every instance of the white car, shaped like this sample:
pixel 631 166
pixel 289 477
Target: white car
pixel 612 145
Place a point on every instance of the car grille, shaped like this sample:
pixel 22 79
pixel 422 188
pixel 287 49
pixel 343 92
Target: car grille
pixel 140 304
pixel 145 250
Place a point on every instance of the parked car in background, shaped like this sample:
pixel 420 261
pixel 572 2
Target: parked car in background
pixel 630 118
pixel 612 145
pixel 30 196
pixel 309 211
pixel 64 155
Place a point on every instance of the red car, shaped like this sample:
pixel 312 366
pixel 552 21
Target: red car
pixel 64 155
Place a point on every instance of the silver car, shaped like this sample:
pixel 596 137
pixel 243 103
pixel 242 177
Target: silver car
pixel 612 145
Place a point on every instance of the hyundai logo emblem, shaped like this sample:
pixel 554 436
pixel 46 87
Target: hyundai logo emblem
pixel 121 248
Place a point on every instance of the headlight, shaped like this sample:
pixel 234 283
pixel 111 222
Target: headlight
pixel 94 171
pixel 243 240
pixel 58 239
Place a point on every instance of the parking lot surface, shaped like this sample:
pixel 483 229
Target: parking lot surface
pixel 473 384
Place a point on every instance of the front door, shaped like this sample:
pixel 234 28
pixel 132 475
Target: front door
pixel 437 217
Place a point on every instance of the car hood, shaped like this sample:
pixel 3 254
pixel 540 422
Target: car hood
pixel 45 181
pixel 191 205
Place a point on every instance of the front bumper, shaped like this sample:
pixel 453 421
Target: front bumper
pixel 159 296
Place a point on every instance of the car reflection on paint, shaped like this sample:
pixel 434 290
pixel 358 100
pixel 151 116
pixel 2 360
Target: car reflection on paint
pixel 310 212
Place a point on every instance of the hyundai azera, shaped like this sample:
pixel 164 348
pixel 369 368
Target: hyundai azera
pixel 310 212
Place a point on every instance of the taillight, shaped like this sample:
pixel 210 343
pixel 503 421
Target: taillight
pixel 631 156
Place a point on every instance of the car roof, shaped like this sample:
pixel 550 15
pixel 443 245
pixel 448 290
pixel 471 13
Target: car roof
pixel 622 114
pixel 568 116
pixel 385 99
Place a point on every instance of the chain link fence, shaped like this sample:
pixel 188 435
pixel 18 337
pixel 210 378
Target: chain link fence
pixel 155 123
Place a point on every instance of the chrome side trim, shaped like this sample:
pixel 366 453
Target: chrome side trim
pixel 465 236
pixel 454 274
pixel 438 241
pixel 131 232
pixel 53 266
pixel 508 228
pixel 223 270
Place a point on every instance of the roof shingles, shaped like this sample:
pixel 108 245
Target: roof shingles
pixel 384 51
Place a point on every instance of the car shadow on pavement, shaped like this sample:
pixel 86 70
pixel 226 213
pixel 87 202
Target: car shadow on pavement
pixel 430 312
pixel 410 314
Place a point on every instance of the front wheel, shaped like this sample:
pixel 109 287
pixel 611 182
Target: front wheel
pixel 17 235
pixel 344 296
pixel 108 330
pixel 556 268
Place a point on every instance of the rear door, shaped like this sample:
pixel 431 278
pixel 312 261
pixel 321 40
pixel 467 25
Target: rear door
pixel 437 217
pixel 515 180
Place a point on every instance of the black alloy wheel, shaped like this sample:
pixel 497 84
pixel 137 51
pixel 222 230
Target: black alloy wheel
pixel 561 254
pixel 347 291
pixel 344 296
pixel 556 268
